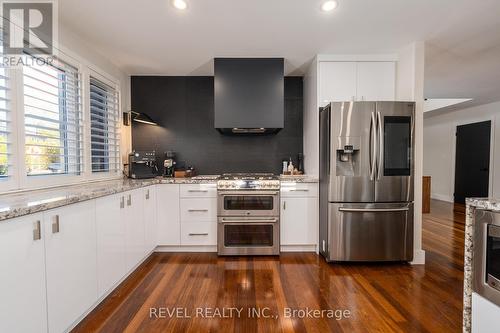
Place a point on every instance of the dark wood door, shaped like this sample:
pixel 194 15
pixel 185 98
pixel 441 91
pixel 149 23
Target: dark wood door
pixel 472 161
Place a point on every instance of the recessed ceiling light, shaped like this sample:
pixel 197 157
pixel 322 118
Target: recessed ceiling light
pixel 179 4
pixel 328 6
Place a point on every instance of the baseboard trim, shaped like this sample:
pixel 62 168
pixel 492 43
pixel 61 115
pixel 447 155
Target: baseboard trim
pixel 442 197
pixel 298 248
pixel 418 257
pixel 186 248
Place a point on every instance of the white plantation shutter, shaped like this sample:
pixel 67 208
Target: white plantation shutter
pixel 104 127
pixel 53 119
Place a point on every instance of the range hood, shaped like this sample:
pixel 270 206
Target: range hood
pixel 249 95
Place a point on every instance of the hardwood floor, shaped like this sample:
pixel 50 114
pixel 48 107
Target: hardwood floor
pixel 380 298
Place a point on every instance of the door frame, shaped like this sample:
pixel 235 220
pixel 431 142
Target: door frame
pixel 492 150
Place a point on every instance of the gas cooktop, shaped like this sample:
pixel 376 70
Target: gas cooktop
pixel 248 176
pixel 248 181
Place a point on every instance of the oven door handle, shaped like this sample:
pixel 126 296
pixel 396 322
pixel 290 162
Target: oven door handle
pixel 232 220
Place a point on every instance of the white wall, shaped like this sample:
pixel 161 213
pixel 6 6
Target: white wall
pixel 410 87
pixel 439 147
pixel 311 120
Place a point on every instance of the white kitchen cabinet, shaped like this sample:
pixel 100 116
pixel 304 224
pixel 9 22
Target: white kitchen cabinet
pixel 299 216
pixel 376 81
pixel 341 81
pixel 337 81
pixel 23 305
pixel 168 217
pixel 198 190
pixel 71 263
pixel 199 233
pixel 135 229
pixel 485 315
pixel 150 220
pixel 111 230
pixel 198 209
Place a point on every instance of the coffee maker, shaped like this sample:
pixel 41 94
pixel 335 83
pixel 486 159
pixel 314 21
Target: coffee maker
pixel 169 164
pixel 142 164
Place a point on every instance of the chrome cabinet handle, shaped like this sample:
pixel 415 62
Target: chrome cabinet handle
pixel 380 143
pixel 129 200
pixel 197 191
pixel 147 195
pixel 299 190
pixel 198 234
pixel 197 210
pixel 55 225
pixel 122 202
pixel 374 210
pixel 37 231
pixel 284 205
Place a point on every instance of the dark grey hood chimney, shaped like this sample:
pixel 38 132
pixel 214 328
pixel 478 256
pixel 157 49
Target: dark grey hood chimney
pixel 249 95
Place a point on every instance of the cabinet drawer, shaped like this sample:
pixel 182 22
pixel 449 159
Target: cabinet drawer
pixel 299 190
pixel 198 191
pixel 198 209
pixel 199 233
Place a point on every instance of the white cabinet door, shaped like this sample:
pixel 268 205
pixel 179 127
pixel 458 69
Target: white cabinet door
pixel 23 306
pixel 485 315
pixel 71 263
pixel 376 81
pixel 337 82
pixel 150 218
pixel 299 221
pixel 110 226
pixel 135 235
pixel 169 227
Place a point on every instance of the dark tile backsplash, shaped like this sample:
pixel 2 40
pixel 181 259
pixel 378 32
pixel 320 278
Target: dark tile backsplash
pixel 184 109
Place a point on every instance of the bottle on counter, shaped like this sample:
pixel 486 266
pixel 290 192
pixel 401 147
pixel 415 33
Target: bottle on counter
pixel 300 166
pixel 285 167
pixel 290 166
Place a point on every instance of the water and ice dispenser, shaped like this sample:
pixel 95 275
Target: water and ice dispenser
pixel 348 157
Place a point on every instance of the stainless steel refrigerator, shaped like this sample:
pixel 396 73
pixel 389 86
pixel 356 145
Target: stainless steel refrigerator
pixel 367 181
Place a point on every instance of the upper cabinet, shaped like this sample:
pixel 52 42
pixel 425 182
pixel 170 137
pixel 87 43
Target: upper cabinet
pixel 337 81
pixel 376 81
pixel 356 81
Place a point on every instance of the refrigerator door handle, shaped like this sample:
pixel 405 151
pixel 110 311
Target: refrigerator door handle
pixel 373 145
pixel 374 210
pixel 380 145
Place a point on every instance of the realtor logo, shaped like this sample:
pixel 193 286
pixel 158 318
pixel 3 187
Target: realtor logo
pixel 28 27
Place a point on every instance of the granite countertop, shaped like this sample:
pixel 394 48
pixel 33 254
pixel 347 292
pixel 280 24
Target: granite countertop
pixel 472 205
pixel 299 179
pixel 29 202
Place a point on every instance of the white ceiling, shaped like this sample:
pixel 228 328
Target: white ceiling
pixel 151 37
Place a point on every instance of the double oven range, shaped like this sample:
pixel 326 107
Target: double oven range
pixel 248 214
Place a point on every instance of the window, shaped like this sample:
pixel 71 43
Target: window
pixel 104 127
pixel 5 123
pixel 52 119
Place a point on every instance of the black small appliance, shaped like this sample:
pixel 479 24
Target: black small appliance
pixel 142 164
pixel 169 164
